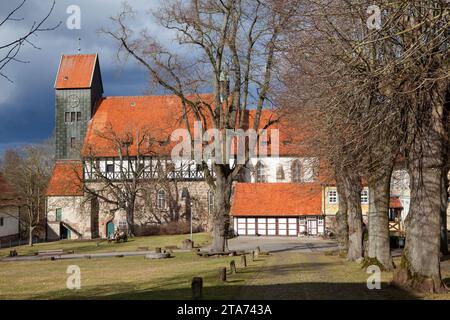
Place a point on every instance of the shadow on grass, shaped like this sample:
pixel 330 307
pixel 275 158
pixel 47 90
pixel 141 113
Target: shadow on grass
pixel 289 291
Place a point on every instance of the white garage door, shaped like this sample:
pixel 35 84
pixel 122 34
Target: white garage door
pixel 262 226
pixel 292 226
pixel 266 226
pixel 271 226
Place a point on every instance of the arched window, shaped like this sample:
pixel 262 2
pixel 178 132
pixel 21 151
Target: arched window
pixel 210 201
pixel 161 199
pixel 260 172
pixel 296 171
pixel 280 173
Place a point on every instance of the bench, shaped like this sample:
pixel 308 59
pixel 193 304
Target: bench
pixel 56 252
pixel 142 249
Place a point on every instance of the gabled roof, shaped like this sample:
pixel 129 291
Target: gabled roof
pixel 277 199
pixel 65 179
pixel 76 71
pixel 116 117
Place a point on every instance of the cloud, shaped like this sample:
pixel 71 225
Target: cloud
pixel 27 104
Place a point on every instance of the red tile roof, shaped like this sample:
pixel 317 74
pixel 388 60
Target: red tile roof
pixel 76 71
pixel 277 199
pixel 65 179
pixel 395 203
pixel 160 116
pixel 116 117
pixel 7 196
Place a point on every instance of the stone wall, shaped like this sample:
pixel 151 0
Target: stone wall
pixel 78 212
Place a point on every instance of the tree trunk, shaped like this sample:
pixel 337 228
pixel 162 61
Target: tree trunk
pixel 420 266
pixel 444 204
pixel 352 185
pixel 221 214
pixel 379 252
pixel 30 235
pixel 130 219
pixel 342 218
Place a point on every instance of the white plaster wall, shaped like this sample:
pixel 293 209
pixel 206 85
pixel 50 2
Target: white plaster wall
pixel 75 212
pixel 271 164
pixel 10 217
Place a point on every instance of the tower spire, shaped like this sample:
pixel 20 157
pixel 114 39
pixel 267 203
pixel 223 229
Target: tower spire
pixel 79 46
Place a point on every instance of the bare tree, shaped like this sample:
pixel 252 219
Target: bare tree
pixel 28 173
pixel 386 92
pixel 234 47
pixel 121 186
pixel 10 51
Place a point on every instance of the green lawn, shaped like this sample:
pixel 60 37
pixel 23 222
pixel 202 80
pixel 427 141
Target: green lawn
pixel 288 275
pixel 90 246
pixel 122 278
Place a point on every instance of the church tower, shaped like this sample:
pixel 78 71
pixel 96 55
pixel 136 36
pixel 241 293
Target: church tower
pixel 78 89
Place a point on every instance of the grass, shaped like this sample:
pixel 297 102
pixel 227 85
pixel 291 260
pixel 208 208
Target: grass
pixel 122 278
pixel 90 246
pixel 288 275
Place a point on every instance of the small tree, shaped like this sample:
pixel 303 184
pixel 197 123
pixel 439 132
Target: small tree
pixel 28 173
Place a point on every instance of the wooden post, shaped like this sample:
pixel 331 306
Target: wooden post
pixel 157 250
pixel 258 250
pixel 197 287
pixel 244 261
pixel 233 266
pixel 223 274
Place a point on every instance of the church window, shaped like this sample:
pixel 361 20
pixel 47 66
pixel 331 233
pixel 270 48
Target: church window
pixel 58 216
pixel 260 172
pixel 78 116
pixel 72 142
pixel 72 117
pixel 161 199
pixel 296 171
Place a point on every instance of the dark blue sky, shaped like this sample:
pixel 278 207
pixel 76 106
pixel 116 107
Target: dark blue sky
pixel 27 104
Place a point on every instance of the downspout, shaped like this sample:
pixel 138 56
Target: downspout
pixel 46 219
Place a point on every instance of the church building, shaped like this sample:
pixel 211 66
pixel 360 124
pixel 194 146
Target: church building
pixel 86 124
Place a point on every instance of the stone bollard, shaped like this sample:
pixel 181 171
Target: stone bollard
pixel 223 274
pixel 197 287
pixel 254 255
pixel 157 250
pixel 188 244
pixel 233 266
pixel 244 261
